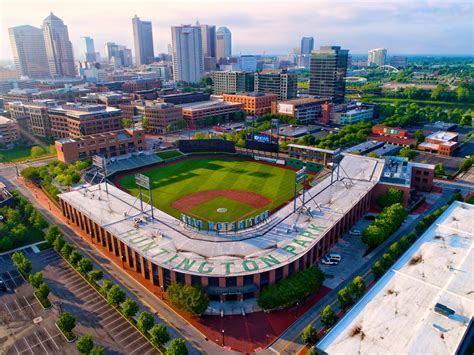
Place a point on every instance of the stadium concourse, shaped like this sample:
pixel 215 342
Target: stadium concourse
pixel 233 265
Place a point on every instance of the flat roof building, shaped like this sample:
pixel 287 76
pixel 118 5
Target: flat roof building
pixel 278 82
pixel 441 142
pixel 36 115
pixel 9 131
pixel 255 103
pixel 397 315
pixel 162 117
pixel 392 135
pixel 231 82
pixel 305 110
pixel 207 113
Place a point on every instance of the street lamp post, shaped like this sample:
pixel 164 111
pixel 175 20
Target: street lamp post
pixel 297 305
pixel 223 344
pixel 162 292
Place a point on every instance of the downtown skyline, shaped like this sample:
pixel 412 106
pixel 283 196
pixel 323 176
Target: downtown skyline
pixel 400 26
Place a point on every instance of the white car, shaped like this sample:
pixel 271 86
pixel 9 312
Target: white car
pixel 355 232
pixel 328 261
pixel 333 256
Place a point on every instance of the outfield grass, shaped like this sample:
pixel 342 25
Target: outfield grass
pixel 183 178
pixel 168 154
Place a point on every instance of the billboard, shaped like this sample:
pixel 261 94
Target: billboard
pixel 262 138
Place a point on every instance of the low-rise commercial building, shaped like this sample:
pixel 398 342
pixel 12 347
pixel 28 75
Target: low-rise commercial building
pixel 113 99
pixel 141 84
pixel 392 135
pixel 207 113
pixel 35 114
pixel 107 145
pixel 255 103
pixel 9 131
pixel 306 110
pixel 186 97
pixel 442 142
pixel 354 115
pixel 76 120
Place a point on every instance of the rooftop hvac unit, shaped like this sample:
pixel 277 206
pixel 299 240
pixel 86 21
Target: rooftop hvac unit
pixel 443 310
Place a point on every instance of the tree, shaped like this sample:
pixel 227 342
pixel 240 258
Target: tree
pixel 126 122
pixel 30 173
pixel 328 316
pixel 345 298
pixel 145 321
pixel 115 296
pixel 97 350
pixel 106 286
pixel 66 322
pixel 420 137
pixel 52 149
pixel 37 151
pixel 36 279
pixel 311 351
pixel 439 170
pixel 58 243
pixel 357 287
pixel 96 275
pixel 390 197
pixel 43 291
pixel 159 335
pixel 377 270
pixel 177 347
pixel 84 266
pixel 310 335
pixel 22 263
pixel 129 308
pixel 407 153
pixel 75 257
pixel 52 233
pixel 193 299
pixel 395 251
pixel 85 344
pixel 146 123
pixel 66 250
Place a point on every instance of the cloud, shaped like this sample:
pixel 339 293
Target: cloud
pixel 401 26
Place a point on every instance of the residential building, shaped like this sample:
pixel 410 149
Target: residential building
pixel 248 63
pixel 327 73
pixel 422 304
pixel 393 135
pixel 35 113
pixel 442 142
pixel 278 82
pixel 107 145
pixel 307 45
pixel 254 103
pixel 223 43
pixel 58 47
pixel 188 61
pixel 305 110
pixel 377 56
pixel 77 120
pixel 29 51
pixel 208 40
pixel 9 131
pixel 207 113
pixel 231 82
pixel 143 40
pixel 398 61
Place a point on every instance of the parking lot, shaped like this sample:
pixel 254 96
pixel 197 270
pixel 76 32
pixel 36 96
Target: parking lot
pixel 94 316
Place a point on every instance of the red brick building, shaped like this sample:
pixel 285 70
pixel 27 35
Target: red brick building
pixel 392 135
pixel 442 142
pixel 256 104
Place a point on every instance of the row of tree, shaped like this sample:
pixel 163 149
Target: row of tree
pixel 20 225
pixel 289 291
pixel 464 93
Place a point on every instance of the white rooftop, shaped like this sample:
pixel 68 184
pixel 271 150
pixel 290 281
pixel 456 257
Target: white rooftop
pixel 282 239
pixel 5 120
pixel 442 135
pixel 396 316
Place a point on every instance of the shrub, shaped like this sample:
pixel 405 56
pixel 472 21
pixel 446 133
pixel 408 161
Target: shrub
pixel 84 266
pixel 395 251
pixel 115 296
pixel 85 344
pixel 310 335
pixel 177 347
pixel 66 250
pixel 36 279
pixel 386 261
pixel 328 316
pixel 295 288
pixel 129 308
pixel 75 257
pixel 106 286
pixel 345 298
pixel 145 321
pixel 66 322
pixel 377 270
pixel 58 243
pixel 386 223
pixel 22 263
pixel 96 275
pixel 37 151
pixel 357 287
pixel 159 335
pixel 193 299
pixel 97 350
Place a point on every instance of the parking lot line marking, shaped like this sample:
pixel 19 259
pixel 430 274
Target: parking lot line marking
pixel 114 321
pixel 128 336
pixel 28 345
pixel 12 278
pixel 72 283
pixel 140 347
pixel 14 345
pixel 126 329
pixel 79 288
pixel 133 342
pixel 118 326
pixel 41 343
pixel 50 337
pixel 101 307
pixel 92 294
pixel 20 308
pixel 84 293
pixel 8 310
pixel 29 304
pixel 110 315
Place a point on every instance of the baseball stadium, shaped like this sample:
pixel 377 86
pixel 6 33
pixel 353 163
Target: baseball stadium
pixel 228 222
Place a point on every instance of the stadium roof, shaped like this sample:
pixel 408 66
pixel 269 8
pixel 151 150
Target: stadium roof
pixel 396 316
pixel 283 238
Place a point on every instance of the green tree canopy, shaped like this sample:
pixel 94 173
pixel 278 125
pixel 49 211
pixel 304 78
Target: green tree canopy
pixel 115 296
pixel 85 344
pixel 145 321
pixel 177 347
pixel 129 308
pixel 328 316
pixel 159 335
pixel 66 322
pixel 310 335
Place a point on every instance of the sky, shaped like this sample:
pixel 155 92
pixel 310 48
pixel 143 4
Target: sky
pixel 262 26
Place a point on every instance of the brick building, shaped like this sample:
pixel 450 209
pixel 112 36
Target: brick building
pixel 392 135
pixel 35 114
pixel 108 145
pixel 207 113
pixel 113 99
pixel 255 103
pixel 306 110
pixel 442 142
pixel 141 84
pixel 9 131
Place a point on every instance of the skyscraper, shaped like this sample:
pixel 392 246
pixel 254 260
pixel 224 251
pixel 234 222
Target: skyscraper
pixel 307 45
pixel 188 62
pixel 377 56
pixel 88 49
pixel 223 43
pixel 327 73
pixel 143 40
pixel 58 47
pixel 208 37
pixel 29 52
pixel 278 82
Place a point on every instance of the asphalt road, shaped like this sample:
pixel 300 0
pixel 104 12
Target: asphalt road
pixel 177 326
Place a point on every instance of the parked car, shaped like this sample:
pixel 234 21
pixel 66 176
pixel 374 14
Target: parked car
pixel 355 232
pixel 327 261
pixel 334 256
pixel 369 217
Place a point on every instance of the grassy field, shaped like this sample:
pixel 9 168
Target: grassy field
pixel 174 181
pixel 168 154
pixel 17 154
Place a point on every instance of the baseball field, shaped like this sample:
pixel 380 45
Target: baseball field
pixel 216 189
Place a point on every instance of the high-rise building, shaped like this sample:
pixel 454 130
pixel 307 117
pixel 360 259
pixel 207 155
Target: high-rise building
pixel 278 82
pixel 327 73
pixel 398 61
pixel 208 38
pixel 377 56
pixel 188 61
pixel 223 43
pixel 231 82
pixel 307 45
pixel 88 49
pixel 58 47
pixel 29 52
pixel 118 55
pixel 143 40
pixel 248 62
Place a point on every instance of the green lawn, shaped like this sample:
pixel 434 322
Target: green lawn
pixel 171 182
pixel 426 102
pixel 168 154
pixel 17 154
